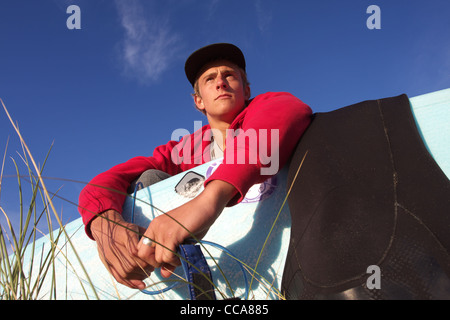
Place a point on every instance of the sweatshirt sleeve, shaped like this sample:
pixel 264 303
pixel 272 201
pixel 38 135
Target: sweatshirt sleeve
pixel 108 190
pixel 265 135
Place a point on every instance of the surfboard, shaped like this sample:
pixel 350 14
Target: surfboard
pixel 432 115
pixel 255 232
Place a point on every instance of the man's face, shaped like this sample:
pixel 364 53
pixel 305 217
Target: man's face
pixel 222 91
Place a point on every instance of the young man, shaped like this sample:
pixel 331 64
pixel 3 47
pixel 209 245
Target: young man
pixel 222 93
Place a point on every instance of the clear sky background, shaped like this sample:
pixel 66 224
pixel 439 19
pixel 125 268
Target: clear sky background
pixel 116 88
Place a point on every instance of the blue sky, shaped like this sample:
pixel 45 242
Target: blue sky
pixel 116 88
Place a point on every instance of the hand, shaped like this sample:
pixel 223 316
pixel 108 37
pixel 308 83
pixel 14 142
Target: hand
pixel 194 218
pixel 117 247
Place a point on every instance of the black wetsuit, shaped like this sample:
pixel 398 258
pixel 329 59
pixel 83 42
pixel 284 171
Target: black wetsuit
pixel 368 194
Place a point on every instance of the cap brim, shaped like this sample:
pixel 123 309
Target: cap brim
pixel 213 52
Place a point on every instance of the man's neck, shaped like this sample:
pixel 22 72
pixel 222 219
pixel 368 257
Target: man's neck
pixel 220 126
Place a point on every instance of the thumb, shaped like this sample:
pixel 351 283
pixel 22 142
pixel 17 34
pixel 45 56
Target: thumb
pixel 141 231
pixel 137 234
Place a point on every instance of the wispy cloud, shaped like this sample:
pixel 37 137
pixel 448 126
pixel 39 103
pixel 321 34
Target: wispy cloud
pixel 149 45
pixel 263 16
pixel 211 8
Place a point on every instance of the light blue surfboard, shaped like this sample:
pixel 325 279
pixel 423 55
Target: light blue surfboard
pixel 256 231
pixel 432 114
pixel 242 230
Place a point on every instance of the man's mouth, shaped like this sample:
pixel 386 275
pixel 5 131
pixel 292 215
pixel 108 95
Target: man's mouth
pixel 224 96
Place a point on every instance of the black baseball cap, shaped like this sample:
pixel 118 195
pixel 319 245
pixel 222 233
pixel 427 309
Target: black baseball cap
pixel 212 52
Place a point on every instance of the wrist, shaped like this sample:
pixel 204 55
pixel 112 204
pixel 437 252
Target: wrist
pixel 218 193
pixel 102 219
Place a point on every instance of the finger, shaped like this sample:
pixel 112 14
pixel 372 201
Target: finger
pixel 146 251
pixel 125 266
pixel 142 269
pixel 166 255
pixel 144 258
pixel 141 231
pixel 131 283
pixel 133 240
pixel 167 270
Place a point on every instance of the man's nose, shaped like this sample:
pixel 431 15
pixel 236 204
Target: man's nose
pixel 221 83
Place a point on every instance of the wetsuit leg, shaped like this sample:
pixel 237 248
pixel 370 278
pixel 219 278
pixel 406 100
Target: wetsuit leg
pixel 147 178
pixel 368 194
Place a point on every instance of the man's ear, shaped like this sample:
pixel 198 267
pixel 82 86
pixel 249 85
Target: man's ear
pixel 247 92
pixel 199 102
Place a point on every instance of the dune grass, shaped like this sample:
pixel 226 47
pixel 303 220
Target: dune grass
pixel 16 282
